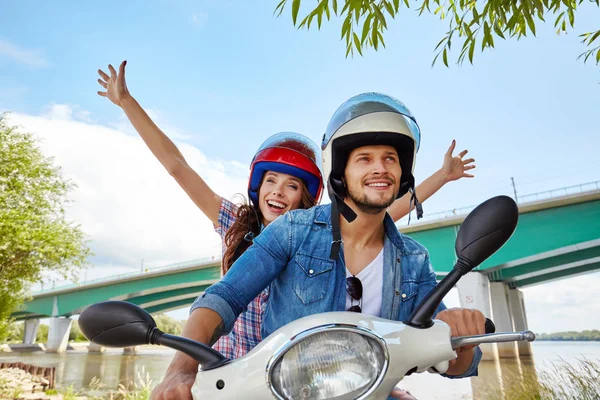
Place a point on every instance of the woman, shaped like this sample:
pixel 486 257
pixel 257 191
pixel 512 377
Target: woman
pixel 284 176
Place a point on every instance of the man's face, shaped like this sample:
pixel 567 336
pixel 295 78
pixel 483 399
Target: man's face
pixel 372 177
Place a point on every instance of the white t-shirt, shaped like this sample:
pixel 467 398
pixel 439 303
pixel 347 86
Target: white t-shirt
pixel 372 282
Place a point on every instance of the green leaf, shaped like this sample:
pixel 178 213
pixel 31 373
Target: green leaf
pixel 541 16
pixel 357 43
pixel 319 19
pixel 280 7
pixel 475 15
pixel 380 17
pixel 510 25
pixel 560 16
pixel 445 56
pixel 468 31
pixel 435 59
pixel 594 37
pixel 440 43
pixel 346 26
pixel 346 6
pixel 571 17
pixel 380 36
pixel 366 28
pixel 499 31
pixel 295 8
pixel 597 56
pixel 327 12
pixel 471 51
pixel 389 8
pixel 374 37
pixel 538 5
pixel 530 23
pixel 396 5
pixel 335 7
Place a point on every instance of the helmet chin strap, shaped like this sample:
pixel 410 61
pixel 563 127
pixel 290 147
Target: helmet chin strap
pixel 338 207
pixel 416 202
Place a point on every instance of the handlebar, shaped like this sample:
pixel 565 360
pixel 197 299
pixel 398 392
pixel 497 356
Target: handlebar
pixel 460 341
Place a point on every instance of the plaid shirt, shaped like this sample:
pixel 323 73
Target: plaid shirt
pixel 245 334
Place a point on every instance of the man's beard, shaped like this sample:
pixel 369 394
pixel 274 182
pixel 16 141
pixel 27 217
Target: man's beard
pixel 367 205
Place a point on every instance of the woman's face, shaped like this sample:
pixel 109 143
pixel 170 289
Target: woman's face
pixel 278 194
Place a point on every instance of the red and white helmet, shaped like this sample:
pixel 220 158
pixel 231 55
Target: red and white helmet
pixel 287 153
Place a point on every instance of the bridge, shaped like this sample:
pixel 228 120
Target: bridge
pixel 557 237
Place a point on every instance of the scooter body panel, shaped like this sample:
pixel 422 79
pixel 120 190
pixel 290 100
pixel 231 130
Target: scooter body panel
pixel 405 347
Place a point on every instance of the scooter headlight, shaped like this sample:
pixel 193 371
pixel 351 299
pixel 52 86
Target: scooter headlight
pixel 329 363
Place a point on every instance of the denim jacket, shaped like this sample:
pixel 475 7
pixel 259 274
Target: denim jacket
pixel 291 257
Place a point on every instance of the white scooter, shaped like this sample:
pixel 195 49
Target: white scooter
pixel 335 355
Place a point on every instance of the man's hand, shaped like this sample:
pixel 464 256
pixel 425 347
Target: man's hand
pixel 463 322
pixel 402 394
pixel 116 88
pixel 455 167
pixel 174 386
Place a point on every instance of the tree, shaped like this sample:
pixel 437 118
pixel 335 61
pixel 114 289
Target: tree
pixel 35 236
pixel 168 324
pixel 469 21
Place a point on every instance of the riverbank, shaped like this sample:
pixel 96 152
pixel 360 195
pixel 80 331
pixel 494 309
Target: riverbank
pixel 72 346
pixel 15 383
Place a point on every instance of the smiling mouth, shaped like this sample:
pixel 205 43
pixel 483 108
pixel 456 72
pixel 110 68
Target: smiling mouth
pixel 379 185
pixel 277 206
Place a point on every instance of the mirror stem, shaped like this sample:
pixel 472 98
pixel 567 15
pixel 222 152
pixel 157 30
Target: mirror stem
pixel 422 316
pixel 208 357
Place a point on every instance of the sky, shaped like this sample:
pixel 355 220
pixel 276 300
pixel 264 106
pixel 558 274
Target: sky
pixel 219 77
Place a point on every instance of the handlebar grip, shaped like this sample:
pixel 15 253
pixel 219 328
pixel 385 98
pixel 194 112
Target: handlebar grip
pixel 489 326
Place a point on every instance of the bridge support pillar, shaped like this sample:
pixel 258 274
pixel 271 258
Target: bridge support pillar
pixel 474 293
pixel 58 334
pixel 502 317
pixel 30 331
pixel 517 309
pixel 130 350
pixel 95 348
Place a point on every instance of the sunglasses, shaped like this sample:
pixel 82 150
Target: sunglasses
pixel 355 290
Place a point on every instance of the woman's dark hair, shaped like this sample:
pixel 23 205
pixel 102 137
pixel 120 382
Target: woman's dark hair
pixel 247 226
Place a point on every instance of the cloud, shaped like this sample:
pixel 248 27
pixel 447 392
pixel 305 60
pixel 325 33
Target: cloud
pixel 200 19
pixel 565 305
pixel 123 125
pixel 32 58
pixel 125 201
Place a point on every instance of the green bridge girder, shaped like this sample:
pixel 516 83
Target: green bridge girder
pixel 554 239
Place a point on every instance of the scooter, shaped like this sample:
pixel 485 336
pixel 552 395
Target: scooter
pixel 334 355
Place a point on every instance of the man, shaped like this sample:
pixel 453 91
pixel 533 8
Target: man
pixel 317 260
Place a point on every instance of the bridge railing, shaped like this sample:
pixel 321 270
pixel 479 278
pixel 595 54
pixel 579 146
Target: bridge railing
pixel 528 198
pixel 521 200
pixel 174 266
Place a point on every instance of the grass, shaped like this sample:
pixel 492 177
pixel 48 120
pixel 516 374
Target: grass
pixel 580 381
